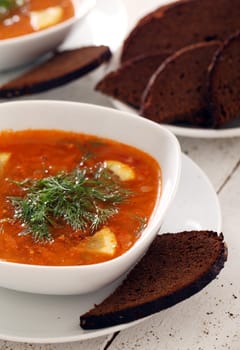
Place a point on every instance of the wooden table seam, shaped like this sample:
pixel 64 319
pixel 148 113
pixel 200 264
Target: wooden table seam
pixel 228 178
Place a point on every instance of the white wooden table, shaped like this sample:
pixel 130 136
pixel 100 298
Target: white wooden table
pixel 211 319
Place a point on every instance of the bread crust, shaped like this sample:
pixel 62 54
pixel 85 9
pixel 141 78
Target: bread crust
pixel 159 299
pixel 223 81
pixel 177 91
pixel 60 69
pixel 180 24
pixel 128 82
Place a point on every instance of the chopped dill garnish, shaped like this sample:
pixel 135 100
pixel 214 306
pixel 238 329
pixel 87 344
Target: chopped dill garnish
pixel 142 223
pixel 84 198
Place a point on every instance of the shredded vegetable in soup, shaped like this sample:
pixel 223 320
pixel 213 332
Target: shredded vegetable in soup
pixel 20 17
pixel 72 199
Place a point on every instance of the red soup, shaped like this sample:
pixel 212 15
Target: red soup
pixel 72 199
pixel 28 16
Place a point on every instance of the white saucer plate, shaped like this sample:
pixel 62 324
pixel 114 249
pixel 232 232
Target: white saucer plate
pixel 55 319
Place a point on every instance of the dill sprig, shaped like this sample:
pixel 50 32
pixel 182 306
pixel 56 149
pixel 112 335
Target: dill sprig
pixel 142 223
pixel 84 198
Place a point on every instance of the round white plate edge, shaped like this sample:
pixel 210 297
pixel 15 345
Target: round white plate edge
pixel 185 131
pixel 211 190
pixel 85 335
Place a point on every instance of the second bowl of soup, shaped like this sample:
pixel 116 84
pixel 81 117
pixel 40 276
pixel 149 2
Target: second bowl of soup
pixel 31 28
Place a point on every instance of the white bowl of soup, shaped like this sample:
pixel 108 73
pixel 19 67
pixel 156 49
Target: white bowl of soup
pixel 32 28
pixel 84 190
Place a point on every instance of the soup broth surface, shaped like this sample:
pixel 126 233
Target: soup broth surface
pixel 41 154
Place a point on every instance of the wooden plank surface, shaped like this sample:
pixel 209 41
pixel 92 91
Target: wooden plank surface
pixel 211 319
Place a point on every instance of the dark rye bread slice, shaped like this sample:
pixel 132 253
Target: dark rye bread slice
pixel 128 82
pixel 224 82
pixel 175 267
pixel 177 91
pixel 182 23
pixel 60 69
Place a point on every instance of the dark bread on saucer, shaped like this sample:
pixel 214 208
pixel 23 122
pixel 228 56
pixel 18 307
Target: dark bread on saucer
pixel 60 69
pixel 175 267
pixel 180 24
pixel 177 91
pixel 224 82
pixel 128 82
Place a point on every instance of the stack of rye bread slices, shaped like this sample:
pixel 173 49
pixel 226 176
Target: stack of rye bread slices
pixel 175 267
pixel 181 63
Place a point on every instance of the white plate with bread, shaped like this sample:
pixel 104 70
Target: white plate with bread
pixel 56 319
pixel 191 86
